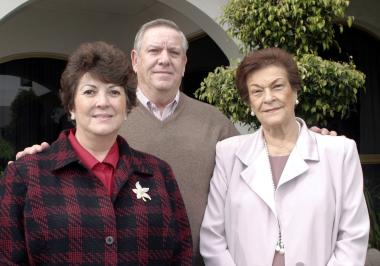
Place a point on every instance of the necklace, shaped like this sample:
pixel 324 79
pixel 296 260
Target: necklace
pixel 280 247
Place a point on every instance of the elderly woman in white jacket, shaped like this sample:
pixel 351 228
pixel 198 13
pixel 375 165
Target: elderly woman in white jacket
pixel 283 195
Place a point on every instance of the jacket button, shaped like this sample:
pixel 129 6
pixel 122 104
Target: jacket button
pixel 109 240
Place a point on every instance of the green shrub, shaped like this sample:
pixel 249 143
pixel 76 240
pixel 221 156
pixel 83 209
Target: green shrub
pixel 301 27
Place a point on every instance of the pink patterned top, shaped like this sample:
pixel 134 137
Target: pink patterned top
pixel 277 164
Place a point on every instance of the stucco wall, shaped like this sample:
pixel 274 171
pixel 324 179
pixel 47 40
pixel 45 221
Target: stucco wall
pixel 33 27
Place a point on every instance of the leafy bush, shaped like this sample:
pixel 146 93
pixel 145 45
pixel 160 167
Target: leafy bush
pixel 301 27
pixel 329 89
pixel 219 89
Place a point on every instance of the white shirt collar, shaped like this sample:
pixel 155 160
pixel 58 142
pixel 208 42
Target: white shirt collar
pixel 168 110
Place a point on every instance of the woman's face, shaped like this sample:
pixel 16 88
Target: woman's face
pixel 271 96
pixel 99 108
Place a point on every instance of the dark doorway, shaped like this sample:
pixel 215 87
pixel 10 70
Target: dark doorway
pixel 364 123
pixel 203 56
pixel 30 110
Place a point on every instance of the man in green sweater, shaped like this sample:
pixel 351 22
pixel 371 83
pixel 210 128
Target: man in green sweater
pixel 171 125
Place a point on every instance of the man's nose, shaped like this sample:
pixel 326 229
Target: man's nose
pixel 164 57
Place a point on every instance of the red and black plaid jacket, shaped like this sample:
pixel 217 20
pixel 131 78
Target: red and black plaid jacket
pixel 53 211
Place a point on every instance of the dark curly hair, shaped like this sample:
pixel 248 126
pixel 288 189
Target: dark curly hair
pixel 103 61
pixel 260 59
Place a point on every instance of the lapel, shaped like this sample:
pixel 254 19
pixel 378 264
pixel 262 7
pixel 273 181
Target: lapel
pixel 131 162
pixel 60 153
pixel 256 171
pixel 305 150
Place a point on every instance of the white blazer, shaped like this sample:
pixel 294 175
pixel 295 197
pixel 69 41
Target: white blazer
pixel 319 202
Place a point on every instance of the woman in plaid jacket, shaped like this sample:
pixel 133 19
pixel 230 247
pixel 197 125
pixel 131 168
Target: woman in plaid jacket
pixel 90 199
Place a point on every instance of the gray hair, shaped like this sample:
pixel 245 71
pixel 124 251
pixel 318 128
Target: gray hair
pixel 158 23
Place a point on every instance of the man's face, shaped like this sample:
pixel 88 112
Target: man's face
pixel 161 61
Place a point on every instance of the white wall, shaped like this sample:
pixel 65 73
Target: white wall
pixel 366 13
pixel 206 14
pixel 36 29
pixel 27 27
pixel 8 6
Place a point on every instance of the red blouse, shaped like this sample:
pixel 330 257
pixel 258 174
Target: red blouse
pixel 103 170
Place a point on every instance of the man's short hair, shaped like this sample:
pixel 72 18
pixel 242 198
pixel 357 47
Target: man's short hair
pixel 160 22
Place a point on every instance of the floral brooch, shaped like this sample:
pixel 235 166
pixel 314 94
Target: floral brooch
pixel 141 192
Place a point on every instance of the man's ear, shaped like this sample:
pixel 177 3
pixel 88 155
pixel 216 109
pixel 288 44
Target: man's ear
pixel 184 65
pixel 134 59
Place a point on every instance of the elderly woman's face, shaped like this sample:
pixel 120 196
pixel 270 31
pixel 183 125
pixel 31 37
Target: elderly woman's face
pixel 99 108
pixel 271 96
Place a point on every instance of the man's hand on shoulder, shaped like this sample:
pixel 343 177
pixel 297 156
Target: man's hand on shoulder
pixel 323 131
pixel 31 150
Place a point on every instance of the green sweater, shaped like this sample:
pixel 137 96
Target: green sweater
pixel 186 140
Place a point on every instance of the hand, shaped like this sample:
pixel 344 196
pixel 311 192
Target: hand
pixel 323 131
pixel 31 150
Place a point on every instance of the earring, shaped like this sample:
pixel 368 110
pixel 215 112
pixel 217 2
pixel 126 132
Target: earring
pixel 72 116
pixel 297 102
pixel 252 113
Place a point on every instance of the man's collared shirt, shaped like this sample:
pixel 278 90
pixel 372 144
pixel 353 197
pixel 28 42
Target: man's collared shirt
pixel 168 110
pixel 103 170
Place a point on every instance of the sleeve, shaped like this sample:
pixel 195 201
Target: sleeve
pixel 228 130
pixel 213 243
pixel 353 227
pixel 183 249
pixel 12 197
